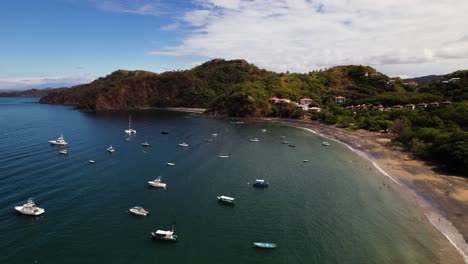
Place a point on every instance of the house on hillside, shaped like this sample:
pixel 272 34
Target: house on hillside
pixel 434 104
pixel 380 107
pixel 306 101
pixel 422 105
pixel 446 102
pixel 340 99
pixel 397 107
pixel 410 106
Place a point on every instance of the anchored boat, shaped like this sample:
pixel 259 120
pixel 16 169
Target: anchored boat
pixel 138 210
pixel 130 131
pixel 110 149
pixel 30 208
pixel 264 245
pixel 226 199
pixel 164 235
pixel 260 183
pixel 60 141
pixel 157 183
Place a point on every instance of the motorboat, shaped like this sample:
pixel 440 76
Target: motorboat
pixel 325 143
pixel 130 131
pixel 305 161
pixel 110 149
pixel 164 235
pixel 92 161
pixel 224 156
pixel 138 211
pixel 226 199
pixel 260 183
pixel 30 208
pixel 145 144
pixel 264 245
pixel 285 142
pixel 183 144
pixel 170 164
pixel 209 140
pixel 60 141
pixel 63 152
pixel 214 134
pixel 164 132
pixel 254 140
pixel 157 183
pixel 264 130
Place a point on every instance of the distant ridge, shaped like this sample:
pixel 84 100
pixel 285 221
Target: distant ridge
pixel 30 92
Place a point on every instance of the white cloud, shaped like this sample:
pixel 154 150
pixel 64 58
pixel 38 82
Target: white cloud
pixel 24 83
pixel 302 35
pixel 139 7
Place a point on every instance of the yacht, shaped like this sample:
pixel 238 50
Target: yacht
pixel 260 183
pixel 183 144
pixel 110 149
pixel 63 152
pixel 254 140
pixel 130 131
pixel 226 199
pixel 59 141
pixel 157 183
pixel 164 235
pixel 325 143
pixel 264 245
pixel 138 211
pixel 30 208
pixel 145 144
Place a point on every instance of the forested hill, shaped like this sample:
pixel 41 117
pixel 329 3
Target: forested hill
pixel 221 86
pixel 30 93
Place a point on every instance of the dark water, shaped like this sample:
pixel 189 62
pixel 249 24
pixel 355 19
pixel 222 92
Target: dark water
pixel 329 210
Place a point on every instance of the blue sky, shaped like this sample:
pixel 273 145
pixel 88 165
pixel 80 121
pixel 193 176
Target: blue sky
pixel 54 43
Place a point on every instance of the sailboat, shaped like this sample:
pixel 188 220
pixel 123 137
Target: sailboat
pixel 130 131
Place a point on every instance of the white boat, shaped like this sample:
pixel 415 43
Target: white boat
pixel 59 141
pixel 164 235
pixel 264 245
pixel 110 149
pixel 138 211
pixel 170 164
pixel 183 144
pixel 130 131
pixel 92 161
pixel 325 143
pixel 305 161
pixel 224 156
pixel 226 199
pixel 63 152
pixel 209 140
pixel 285 142
pixel 145 144
pixel 157 183
pixel 254 140
pixel 214 134
pixel 264 130
pixel 30 208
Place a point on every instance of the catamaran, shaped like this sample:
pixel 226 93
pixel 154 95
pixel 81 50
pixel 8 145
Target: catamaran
pixel 130 131
pixel 59 141
pixel 30 208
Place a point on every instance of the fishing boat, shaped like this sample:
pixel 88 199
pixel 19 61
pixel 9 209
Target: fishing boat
pixel 183 144
pixel 145 144
pixel 254 140
pixel 164 132
pixel 170 164
pixel 164 235
pixel 60 141
pixel 264 245
pixel 224 156
pixel 157 183
pixel 226 199
pixel 30 208
pixel 130 131
pixel 63 152
pixel 138 210
pixel 325 143
pixel 110 149
pixel 260 183
pixel 91 161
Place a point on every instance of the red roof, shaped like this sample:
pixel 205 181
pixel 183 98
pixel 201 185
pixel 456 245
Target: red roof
pixel 306 99
pixel 340 97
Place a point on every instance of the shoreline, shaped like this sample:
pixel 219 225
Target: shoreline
pixel 177 109
pixel 442 199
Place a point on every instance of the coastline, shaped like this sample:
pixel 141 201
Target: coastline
pixel 177 109
pixel 442 199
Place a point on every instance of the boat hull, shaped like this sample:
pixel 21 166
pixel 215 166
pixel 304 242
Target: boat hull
pixel 164 238
pixel 265 245
pixel 136 212
pixel 53 142
pixel 157 185
pixel 38 211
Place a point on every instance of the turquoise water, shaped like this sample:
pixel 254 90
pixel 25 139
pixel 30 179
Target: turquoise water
pixel 333 209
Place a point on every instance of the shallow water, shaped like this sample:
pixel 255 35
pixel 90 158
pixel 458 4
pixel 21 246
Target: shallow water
pixel 333 209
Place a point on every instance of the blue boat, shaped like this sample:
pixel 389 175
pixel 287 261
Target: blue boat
pixel 260 183
pixel 264 245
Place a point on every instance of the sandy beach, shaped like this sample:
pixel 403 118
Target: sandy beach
pixel 442 199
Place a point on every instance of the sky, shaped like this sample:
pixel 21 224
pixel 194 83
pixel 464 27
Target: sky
pixel 54 43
